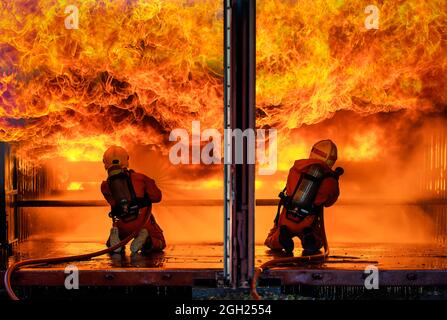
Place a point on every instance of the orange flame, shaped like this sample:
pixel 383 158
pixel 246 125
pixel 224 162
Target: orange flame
pixel 134 70
pixel 131 72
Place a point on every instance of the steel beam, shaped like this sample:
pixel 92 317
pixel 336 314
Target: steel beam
pixel 113 277
pixel 227 141
pixel 191 277
pixel 332 277
pixel 216 203
pixel 243 111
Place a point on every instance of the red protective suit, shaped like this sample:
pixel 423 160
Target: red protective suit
pixel 327 195
pixel 141 184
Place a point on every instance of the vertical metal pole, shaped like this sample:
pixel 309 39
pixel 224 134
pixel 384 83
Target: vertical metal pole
pixel 3 223
pixel 242 105
pixel 227 141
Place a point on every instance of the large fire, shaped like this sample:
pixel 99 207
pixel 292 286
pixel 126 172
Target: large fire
pixel 134 70
pixel 131 72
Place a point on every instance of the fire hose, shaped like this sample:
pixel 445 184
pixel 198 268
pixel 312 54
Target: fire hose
pixel 17 265
pixel 320 257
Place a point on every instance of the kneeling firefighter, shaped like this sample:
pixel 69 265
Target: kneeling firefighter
pixel 311 186
pixel 130 195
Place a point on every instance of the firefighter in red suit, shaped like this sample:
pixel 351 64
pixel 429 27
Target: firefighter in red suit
pixel 144 191
pixel 307 226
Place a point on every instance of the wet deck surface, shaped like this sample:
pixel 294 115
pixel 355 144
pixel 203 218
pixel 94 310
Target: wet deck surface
pixel 209 256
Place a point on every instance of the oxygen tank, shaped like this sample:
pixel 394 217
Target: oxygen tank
pixel 126 207
pixel 120 190
pixel 308 184
pixel 306 191
pixel 300 203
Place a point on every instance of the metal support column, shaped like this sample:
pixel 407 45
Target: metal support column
pixel 9 219
pixel 242 116
pixel 227 139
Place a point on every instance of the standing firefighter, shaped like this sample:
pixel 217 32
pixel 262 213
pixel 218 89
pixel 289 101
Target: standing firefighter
pixel 311 186
pixel 129 194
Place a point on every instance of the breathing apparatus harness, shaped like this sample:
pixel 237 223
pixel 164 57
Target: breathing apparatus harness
pixel 298 206
pixel 128 205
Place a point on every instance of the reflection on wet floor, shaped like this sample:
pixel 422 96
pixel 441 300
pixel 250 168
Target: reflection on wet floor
pixel 347 256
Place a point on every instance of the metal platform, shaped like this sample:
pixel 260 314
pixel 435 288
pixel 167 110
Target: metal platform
pixel 201 265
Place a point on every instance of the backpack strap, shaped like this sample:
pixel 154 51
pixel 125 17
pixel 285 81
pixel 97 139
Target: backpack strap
pixel 133 195
pixel 281 195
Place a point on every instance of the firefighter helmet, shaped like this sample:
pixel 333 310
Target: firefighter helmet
pixel 325 150
pixel 115 155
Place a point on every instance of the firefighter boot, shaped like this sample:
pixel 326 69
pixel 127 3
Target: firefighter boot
pixel 286 239
pixel 310 243
pixel 114 239
pixel 147 246
pixel 139 241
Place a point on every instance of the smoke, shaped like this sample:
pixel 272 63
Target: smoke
pixel 379 191
pixel 181 224
pixel 386 158
pixel 379 223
